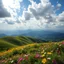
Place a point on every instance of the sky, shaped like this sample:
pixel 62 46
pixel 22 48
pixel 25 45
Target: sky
pixel 32 14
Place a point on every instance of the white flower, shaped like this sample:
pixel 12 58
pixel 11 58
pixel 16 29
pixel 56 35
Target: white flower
pixel 49 58
pixel 44 52
pixel 12 61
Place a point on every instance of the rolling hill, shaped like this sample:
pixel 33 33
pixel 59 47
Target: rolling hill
pixel 10 41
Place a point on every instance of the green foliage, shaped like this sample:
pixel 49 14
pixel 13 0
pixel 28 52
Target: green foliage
pixel 9 41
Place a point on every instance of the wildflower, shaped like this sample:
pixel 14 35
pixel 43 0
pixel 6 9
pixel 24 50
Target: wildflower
pixel 59 45
pixel 54 61
pixel 49 53
pixel 20 59
pixel 44 60
pixel 12 61
pixel 43 55
pixel 44 52
pixel 48 58
pixel 63 43
pixel 26 55
pixel 37 56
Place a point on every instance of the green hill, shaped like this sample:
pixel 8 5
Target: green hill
pixel 5 45
pixel 13 41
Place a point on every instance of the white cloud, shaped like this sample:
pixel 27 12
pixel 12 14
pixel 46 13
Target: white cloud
pixel 58 5
pixel 37 16
pixel 44 13
pixel 12 6
pixel 60 17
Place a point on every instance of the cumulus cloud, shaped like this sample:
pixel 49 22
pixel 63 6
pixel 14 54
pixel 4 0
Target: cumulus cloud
pixel 44 13
pixel 58 6
pixel 3 11
pixel 60 17
pixel 26 15
pixel 10 10
pixel 39 11
pixel 12 6
pixel 36 16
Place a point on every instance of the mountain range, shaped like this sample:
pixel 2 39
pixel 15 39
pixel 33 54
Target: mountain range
pixel 46 35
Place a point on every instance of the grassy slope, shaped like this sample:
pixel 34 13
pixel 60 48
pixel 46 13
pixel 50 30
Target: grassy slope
pixel 10 41
pixel 4 45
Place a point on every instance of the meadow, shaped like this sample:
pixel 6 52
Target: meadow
pixel 34 53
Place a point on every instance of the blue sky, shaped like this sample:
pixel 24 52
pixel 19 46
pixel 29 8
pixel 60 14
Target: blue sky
pixel 54 2
pixel 31 14
pixel 26 3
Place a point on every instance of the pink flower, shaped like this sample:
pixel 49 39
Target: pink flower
pixel 63 43
pixel 20 59
pixel 37 56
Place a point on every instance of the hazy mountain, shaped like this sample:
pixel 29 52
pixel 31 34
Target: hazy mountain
pixel 41 34
pixel 46 35
pixel 2 35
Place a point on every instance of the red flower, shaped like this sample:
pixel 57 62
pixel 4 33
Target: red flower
pixel 54 61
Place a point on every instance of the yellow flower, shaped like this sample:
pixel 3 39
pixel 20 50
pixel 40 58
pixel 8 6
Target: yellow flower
pixel 44 60
pixel 43 55
pixel 49 53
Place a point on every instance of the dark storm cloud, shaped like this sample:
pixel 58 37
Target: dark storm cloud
pixel 3 11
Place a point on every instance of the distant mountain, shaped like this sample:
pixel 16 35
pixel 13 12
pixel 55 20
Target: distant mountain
pixel 46 35
pixel 2 35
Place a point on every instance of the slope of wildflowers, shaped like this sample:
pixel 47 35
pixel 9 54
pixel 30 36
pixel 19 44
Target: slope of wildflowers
pixel 42 53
